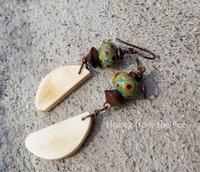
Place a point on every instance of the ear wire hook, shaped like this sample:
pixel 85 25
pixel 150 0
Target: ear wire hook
pixel 134 51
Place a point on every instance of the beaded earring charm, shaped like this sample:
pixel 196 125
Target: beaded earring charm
pixel 109 55
pixel 62 81
pixel 63 139
pixel 127 83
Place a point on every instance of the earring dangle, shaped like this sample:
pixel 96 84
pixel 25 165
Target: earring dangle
pixel 59 83
pixel 63 139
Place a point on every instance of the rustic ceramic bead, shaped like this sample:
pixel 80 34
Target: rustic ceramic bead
pixel 125 84
pixel 108 54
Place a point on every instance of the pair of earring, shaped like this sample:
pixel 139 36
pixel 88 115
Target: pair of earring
pixel 63 139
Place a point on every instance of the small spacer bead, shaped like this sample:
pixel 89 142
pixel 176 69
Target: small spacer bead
pixel 120 53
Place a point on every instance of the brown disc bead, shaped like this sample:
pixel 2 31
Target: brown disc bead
pixel 93 57
pixel 113 97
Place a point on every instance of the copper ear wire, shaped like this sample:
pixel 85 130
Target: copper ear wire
pixel 134 51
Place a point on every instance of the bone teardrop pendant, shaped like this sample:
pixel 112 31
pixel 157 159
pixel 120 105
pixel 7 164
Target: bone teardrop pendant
pixel 58 84
pixel 60 140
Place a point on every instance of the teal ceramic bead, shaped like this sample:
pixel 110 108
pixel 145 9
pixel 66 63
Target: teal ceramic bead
pixel 108 54
pixel 125 84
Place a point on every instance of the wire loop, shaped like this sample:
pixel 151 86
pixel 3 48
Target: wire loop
pixel 84 62
pixel 106 106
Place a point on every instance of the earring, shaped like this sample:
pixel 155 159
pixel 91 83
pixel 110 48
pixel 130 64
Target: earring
pixel 62 81
pixel 63 139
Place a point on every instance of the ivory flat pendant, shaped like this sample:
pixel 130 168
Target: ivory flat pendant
pixel 60 140
pixel 57 85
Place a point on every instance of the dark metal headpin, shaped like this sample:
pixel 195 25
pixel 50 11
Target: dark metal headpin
pixel 138 75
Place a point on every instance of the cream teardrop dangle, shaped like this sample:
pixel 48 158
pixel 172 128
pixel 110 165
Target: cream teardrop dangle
pixel 58 84
pixel 60 140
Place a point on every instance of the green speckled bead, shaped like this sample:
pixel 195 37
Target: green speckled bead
pixel 108 54
pixel 125 84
